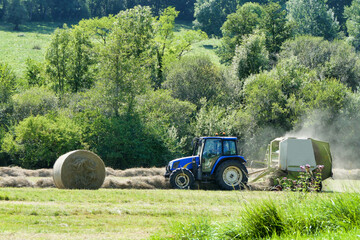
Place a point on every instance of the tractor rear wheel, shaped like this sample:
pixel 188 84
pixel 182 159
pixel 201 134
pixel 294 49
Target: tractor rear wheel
pixel 231 175
pixel 182 178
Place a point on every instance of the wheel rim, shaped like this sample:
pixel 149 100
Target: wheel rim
pixel 182 180
pixel 232 176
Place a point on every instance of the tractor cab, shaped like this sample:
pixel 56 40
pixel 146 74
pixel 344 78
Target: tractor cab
pixel 214 158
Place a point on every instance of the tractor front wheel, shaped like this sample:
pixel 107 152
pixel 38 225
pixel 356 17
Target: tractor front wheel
pixel 182 178
pixel 231 175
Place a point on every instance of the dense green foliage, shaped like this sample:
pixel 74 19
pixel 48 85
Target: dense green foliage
pixel 37 141
pixel 352 22
pixel 253 18
pixel 17 11
pixel 312 18
pixel 132 90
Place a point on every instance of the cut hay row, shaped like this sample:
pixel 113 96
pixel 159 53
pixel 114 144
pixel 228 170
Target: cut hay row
pixel 21 172
pixel 152 182
pixel 135 178
pixel 132 172
pixel 136 172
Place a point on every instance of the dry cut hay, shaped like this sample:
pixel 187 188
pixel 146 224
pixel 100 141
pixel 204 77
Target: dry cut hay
pixel 268 181
pixel 136 172
pixel 45 183
pixel 43 172
pixel 152 182
pixel 17 182
pixel 11 172
pixel 21 172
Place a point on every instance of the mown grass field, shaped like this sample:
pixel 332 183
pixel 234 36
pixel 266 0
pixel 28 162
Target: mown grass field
pixel 30 213
pixel 30 42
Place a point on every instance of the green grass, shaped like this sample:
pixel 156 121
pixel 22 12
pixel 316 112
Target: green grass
pixel 30 42
pixel 293 216
pixel 206 47
pixel 162 214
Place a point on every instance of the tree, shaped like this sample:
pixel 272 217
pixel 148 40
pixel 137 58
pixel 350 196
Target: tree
pixel 7 88
pixel 69 59
pixel 193 78
pixel 250 57
pixel 98 28
pixel 80 75
pixel 338 9
pixel 125 59
pixel 16 14
pixel 34 73
pixel 335 59
pixel 7 83
pixel 210 15
pixel 238 25
pixel 68 9
pixel 168 117
pixel 275 26
pixel 170 47
pixel 57 59
pixel 352 13
pixel 165 35
pixel 312 17
pixel 3 6
pixel 100 8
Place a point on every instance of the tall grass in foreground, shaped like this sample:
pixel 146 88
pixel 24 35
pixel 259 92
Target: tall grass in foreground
pixel 296 217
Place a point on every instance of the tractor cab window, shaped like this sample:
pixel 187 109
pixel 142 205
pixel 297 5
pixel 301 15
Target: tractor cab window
pixel 212 151
pixel 229 148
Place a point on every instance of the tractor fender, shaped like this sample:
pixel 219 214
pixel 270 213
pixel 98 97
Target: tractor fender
pixel 225 158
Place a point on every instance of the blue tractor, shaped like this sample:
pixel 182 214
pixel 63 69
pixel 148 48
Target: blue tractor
pixel 214 159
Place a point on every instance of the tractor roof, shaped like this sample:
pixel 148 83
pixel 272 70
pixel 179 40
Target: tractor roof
pixel 221 137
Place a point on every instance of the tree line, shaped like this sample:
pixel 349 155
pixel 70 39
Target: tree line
pixel 128 87
pixel 72 10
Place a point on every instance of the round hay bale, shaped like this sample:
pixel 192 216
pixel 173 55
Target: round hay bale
pixel 79 169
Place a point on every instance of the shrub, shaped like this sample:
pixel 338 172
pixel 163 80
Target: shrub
pixel 37 142
pixel 34 101
pixel 122 141
pixel 193 78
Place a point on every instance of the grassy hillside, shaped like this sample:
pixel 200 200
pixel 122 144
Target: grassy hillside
pixel 206 47
pixel 30 42
pixel 33 39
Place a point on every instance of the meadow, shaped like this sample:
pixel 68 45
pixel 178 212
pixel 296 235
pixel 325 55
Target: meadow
pixel 139 204
pixel 30 42
pixel 30 213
